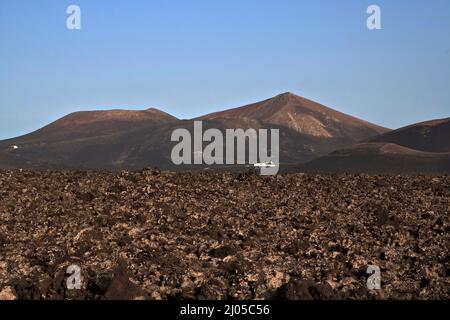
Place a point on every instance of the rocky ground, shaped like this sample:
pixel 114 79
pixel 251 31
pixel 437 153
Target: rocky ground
pixel 162 235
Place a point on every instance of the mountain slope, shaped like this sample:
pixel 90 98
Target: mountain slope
pixel 430 136
pixel 419 148
pixel 380 158
pixel 121 139
pixel 305 117
pixel 81 140
pixel 86 124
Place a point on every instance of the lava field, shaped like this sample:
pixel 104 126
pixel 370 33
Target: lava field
pixel 213 235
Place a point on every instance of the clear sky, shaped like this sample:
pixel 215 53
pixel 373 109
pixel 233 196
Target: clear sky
pixel 194 57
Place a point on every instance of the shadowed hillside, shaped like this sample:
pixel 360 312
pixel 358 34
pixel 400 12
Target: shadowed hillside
pixel 121 139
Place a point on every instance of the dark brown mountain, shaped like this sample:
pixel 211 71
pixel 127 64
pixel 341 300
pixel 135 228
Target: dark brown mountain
pixel 380 158
pixel 304 116
pixel 88 124
pixel 121 139
pixel 418 148
pixel 307 129
pixel 84 140
pixel 430 136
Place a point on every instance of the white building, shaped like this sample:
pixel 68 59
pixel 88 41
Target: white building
pixel 269 164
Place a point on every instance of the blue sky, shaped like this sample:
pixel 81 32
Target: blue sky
pixel 193 57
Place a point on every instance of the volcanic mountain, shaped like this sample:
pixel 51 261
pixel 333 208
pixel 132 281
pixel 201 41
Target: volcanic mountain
pixel 123 139
pixel 89 124
pixel 305 117
pixel 82 140
pixel 419 148
pixel 307 129
pixel 430 136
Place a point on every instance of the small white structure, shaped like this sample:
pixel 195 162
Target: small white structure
pixel 269 164
pixel 14 147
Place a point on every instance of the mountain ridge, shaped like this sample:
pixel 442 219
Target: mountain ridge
pixel 430 136
pixel 311 135
pixel 302 115
pixel 422 147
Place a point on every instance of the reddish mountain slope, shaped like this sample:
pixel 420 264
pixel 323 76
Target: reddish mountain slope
pixel 304 116
pixel 121 139
pixel 419 148
pixel 88 124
